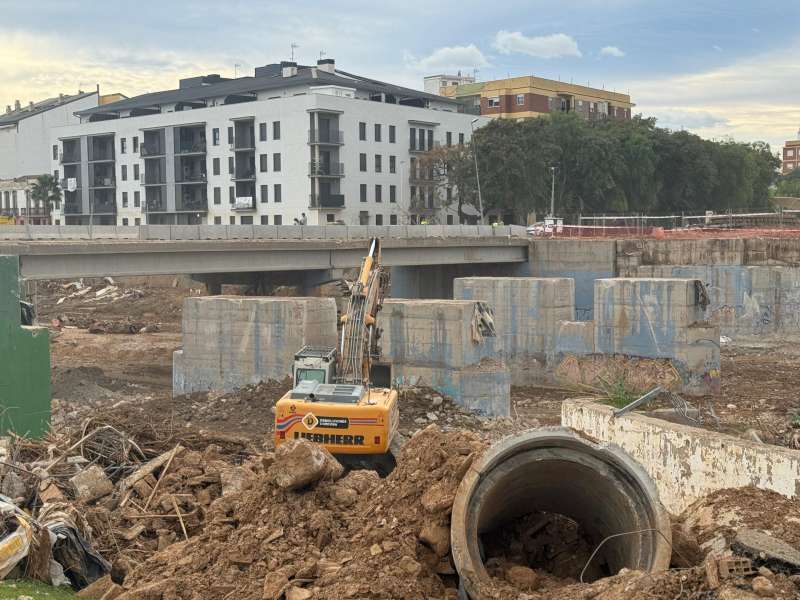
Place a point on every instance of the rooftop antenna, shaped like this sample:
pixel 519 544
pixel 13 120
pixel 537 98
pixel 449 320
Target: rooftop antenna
pixel 475 74
pixel 293 47
pixel 321 54
pixel 236 70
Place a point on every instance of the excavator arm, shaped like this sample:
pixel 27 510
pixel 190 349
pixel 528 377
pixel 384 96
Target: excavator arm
pixel 358 344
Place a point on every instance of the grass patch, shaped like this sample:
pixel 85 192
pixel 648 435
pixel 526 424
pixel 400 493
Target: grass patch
pixel 11 590
pixel 617 394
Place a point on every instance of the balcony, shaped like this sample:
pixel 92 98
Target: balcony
pixel 244 204
pixel 154 205
pixel 154 178
pixel 325 169
pixel 327 201
pixel 243 175
pixel 244 144
pixel 67 158
pixel 105 207
pixel 193 148
pixel 72 208
pixel 103 182
pixel 420 176
pixel 192 178
pixel 323 136
pixel 150 150
pixel 196 205
pixel 64 184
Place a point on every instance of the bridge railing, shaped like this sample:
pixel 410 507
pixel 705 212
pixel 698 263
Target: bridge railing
pixel 253 232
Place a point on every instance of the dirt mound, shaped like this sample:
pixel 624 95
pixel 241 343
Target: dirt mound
pixel 356 537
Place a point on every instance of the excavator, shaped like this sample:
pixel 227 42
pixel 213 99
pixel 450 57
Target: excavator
pixel 333 402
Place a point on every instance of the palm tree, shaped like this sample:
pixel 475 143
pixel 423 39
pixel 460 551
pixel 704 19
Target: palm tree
pixel 46 192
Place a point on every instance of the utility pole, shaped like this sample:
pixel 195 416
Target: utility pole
pixel 477 171
pixel 293 46
pixel 553 194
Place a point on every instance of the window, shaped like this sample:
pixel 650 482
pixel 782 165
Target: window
pixel 363 192
pixel 215 166
pixel 378 163
pixel 392 193
pixel 264 194
pixel 330 217
pixel 413 219
pixel 412 138
pixel 378 219
pixel 137 221
pixel 246 220
pixel 520 102
pixel 430 139
pixel 392 134
pixel 55 151
pixel 135 144
pixel 790 152
pixel 413 192
pixel 363 218
pixel 450 217
pixel 230 165
pixel 362 132
pixel 124 222
pixel 362 162
pixel 124 199
pixel 217 196
pixel 231 195
pixel 232 220
pixel 263 160
pixel 124 172
pixel 392 164
pixel 217 220
pixel 136 172
pixel 449 138
pixel 262 132
pixel 215 136
pixel 276 162
pixel 392 219
pixel 461 139
pixel 493 102
pixel 377 132
pixel 55 175
pixel 265 219
pixel 122 145
pixel 137 199
pixel 378 193
pixel 421 145
pixel 230 135
pixel 277 197
pixel 276 130
pixel 277 220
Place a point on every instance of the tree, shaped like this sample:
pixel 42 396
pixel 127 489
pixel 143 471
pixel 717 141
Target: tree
pixel 46 192
pixel 789 185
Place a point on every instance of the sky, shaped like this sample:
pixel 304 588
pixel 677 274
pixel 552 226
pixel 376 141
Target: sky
pixel 720 69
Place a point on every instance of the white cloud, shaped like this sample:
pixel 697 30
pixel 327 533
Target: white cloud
pixel 717 48
pixel 449 58
pixel 611 51
pixel 546 46
pixel 751 99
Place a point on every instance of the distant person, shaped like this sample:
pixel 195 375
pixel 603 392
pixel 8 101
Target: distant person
pixel 296 221
pixel 303 219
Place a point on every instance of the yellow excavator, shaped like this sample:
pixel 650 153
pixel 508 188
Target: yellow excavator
pixel 333 402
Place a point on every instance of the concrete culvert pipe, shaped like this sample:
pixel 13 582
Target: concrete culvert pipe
pixel 561 496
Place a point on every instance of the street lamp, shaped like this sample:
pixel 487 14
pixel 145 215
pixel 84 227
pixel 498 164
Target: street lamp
pixel 553 194
pixel 477 173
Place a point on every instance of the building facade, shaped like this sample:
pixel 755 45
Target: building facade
pixel 25 150
pixel 791 156
pixel 259 150
pixel 435 83
pixel 526 97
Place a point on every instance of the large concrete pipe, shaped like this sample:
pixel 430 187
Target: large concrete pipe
pixel 557 472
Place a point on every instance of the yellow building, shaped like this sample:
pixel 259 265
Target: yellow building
pixel 525 97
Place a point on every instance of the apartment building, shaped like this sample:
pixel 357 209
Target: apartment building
pixel 435 83
pixel 263 149
pixel 24 149
pixel 791 155
pixel 526 97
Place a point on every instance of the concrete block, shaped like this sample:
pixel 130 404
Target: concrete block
pixel 91 483
pixel 240 232
pixel 416 231
pixel 434 231
pixel 265 232
pixel 335 232
pixel 289 232
pixel 46 232
pixel 575 337
pixel 313 232
pixel 378 231
pixel 357 232
pixel 104 232
pixel 157 232
pixel 396 231
pixel 486 389
pixel 687 463
pixel 185 232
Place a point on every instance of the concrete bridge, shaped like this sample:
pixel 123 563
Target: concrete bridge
pixel 422 257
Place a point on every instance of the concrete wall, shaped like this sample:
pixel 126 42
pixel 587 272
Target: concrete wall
pixel 581 260
pixel 687 463
pixel 527 312
pixel 24 362
pixel 229 342
pixel 431 342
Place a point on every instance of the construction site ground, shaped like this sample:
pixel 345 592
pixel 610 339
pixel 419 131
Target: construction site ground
pixel 351 537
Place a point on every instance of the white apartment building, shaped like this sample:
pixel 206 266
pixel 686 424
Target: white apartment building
pixel 259 150
pixel 25 141
pixel 435 83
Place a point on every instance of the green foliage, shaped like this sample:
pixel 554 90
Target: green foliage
pixel 611 166
pixel 34 589
pixel 46 191
pixel 789 185
pixel 617 394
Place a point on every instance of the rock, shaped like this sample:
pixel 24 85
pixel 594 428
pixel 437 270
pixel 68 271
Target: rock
pixel 232 480
pixel 522 577
pixel 298 593
pixel 409 565
pixel 438 498
pixel 437 537
pixel 751 542
pixel 420 421
pixel 753 435
pixel 763 587
pixel 795 579
pixel 299 463
pixel 13 486
pixel 49 492
pixel 734 593
pixel 273 585
pixel 765 572
pixel 389 545
pixel 432 416
pixel 343 497
pixel 375 550
pixel 91 484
